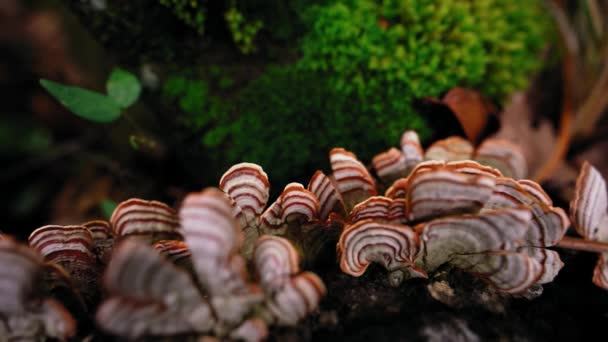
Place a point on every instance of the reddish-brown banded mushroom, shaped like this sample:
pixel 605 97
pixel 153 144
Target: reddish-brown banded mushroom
pixel 449 149
pixel 149 296
pixel 389 165
pixel 328 196
pixel 444 192
pixel 297 298
pixel 444 238
pixel 548 225
pixel 214 238
pixel 72 248
pixel 276 261
pixel 503 155
pixel 25 313
pixel 175 251
pixel 589 213
pixel 380 208
pixel 151 219
pixel 393 245
pixel 103 239
pixel 247 184
pixel 352 179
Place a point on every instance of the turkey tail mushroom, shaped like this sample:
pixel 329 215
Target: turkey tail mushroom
pixel 276 261
pixel 449 149
pixel 353 181
pixel 214 238
pixel 27 316
pixel 327 194
pixel 394 246
pixel 150 220
pixel 503 155
pixel 411 149
pixel 248 186
pixel 589 213
pixel 72 248
pixel 441 192
pixel 149 296
pixel 442 239
pixel 103 240
pixel 297 298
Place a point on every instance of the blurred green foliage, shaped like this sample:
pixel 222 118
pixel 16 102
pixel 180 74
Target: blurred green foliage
pixel 191 12
pixel 123 90
pixel 201 112
pixel 243 31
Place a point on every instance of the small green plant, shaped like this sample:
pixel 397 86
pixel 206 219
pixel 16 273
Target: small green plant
pixel 243 31
pixel 191 12
pixel 123 90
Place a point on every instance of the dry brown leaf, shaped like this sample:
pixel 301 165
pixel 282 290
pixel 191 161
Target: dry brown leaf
pixel 517 126
pixel 470 108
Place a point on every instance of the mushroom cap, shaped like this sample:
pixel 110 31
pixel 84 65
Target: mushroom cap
pixel 213 237
pixel 248 186
pixel 449 149
pixel 548 225
pixel 392 245
pixel 589 207
pixel 503 155
pixel 390 165
pixel 509 272
pixel 352 180
pixel 441 192
pixel 276 261
pixel 296 299
pixel 443 239
pixel 327 194
pixel 380 208
pixel 589 213
pixel 140 217
pixel 149 296
pixel 411 149
pixel 298 204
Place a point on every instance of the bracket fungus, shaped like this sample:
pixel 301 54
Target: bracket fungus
pixel 307 216
pixel 465 211
pixel 589 213
pixel 151 220
pixel 492 153
pixel 151 296
pixel 72 248
pixel 291 294
pixel 26 313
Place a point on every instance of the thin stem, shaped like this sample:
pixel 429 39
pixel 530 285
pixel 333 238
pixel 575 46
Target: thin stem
pixel 579 244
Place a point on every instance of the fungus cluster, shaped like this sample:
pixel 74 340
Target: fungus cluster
pixel 440 207
pixel 589 214
pixel 443 207
pixel 164 273
pixel 169 273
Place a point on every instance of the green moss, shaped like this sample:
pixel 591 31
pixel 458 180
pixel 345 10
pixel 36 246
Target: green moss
pixel 401 49
pixel 364 62
pixel 287 120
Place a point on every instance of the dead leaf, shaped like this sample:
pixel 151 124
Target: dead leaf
pixel 470 108
pixel 516 125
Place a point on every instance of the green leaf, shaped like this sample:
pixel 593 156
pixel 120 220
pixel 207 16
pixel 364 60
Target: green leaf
pixel 123 87
pixel 107 207
pixel 84 103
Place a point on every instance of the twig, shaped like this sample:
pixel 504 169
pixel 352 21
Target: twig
pixel 583 245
